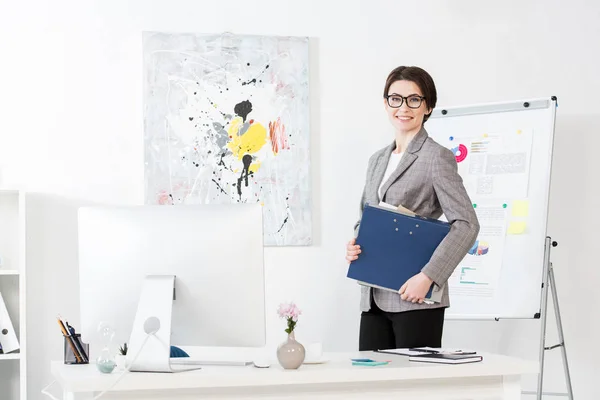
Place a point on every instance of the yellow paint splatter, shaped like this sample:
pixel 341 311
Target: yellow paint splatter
pixel 234 126
pixel 250 142
pixel 254 166
pixel 519 132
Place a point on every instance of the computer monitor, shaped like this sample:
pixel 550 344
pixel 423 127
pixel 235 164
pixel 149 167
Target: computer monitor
pixel 215 253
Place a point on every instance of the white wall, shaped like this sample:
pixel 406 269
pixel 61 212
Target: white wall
pixel 71 101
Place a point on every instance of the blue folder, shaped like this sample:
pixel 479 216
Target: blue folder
pixel 395 247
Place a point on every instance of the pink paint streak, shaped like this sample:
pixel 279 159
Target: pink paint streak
pixel 278 136
pixel 164 198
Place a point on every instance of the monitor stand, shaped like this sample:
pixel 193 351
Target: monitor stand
pixel 150 340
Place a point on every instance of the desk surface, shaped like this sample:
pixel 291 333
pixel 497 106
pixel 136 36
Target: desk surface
pixel 86 378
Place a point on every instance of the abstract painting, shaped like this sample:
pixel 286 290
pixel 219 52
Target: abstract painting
pixel 226 120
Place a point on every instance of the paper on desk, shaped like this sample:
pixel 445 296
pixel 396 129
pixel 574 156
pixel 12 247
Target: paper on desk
pixel 426 350
pixel 404 352
pixel 443 351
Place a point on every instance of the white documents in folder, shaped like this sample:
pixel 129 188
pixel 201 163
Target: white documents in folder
pixel 8 336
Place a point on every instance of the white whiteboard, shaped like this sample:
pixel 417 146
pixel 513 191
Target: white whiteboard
pixel 502 276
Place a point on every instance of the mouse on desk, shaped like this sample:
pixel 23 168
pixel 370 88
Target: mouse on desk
pixel 261 363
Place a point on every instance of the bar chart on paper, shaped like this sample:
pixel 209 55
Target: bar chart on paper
pixel 479 272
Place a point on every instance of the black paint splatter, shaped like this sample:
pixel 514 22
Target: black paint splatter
pixel 287 212
pixel 219 186
pixel 254 79
pixel 284 222
pixel 213 104
pixel 246 160
pixel 191 118
pixel 221 162
pixel 243 109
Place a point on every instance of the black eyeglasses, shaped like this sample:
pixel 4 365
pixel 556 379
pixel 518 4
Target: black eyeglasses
pixel 396 101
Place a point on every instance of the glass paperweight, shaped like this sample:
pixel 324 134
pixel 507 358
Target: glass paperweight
pixel 106 361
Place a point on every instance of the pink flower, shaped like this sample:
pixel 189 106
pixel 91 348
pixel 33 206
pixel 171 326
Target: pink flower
pixel 290 312
pixel 294 312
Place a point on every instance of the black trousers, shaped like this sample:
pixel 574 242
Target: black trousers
pixel 385 330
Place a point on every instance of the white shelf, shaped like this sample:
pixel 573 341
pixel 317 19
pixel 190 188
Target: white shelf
pixel 16 356
pixel 12 284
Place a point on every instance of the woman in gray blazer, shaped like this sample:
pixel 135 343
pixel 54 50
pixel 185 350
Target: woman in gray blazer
pixel 417 173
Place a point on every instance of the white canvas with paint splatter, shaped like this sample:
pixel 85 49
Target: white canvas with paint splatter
pixel 226 120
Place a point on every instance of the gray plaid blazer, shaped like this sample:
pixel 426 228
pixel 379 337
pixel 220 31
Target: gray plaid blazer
pixel 426 182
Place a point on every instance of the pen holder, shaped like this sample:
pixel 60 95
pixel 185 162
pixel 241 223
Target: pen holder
pixel 69 356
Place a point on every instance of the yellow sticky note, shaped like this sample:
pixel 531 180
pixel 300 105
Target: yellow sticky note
pixel 520 208
pixel 516 227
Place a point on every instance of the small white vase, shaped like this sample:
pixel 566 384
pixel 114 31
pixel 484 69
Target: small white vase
pixel 120 360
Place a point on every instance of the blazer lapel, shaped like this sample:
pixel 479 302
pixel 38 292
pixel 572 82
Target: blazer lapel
pixel 380 168
pixel 409 157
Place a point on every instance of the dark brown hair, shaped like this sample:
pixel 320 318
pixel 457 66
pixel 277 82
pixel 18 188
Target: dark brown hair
pixel 420 77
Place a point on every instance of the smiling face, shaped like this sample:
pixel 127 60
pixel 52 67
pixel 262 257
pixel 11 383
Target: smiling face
pixel 406 119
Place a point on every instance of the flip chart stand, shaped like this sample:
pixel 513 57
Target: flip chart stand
pixel 550 283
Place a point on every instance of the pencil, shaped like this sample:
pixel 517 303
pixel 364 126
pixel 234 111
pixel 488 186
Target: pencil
pixel 69 339
pixel 77 342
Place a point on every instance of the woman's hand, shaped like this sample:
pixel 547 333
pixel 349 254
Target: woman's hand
pixel 415 289
pixel 352 251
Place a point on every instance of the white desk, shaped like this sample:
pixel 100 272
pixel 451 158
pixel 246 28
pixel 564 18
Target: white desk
pixel 497 377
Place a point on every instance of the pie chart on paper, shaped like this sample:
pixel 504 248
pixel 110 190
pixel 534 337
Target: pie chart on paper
pixel 479 248
pixel 460 152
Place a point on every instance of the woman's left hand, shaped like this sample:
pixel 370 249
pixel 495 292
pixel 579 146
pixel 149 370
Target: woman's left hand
pixel 415 289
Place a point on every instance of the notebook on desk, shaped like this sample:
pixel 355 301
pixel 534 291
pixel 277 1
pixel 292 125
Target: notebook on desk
pixel 442 358
pixel 395 246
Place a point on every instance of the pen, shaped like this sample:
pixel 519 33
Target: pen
pixel 454 352
pixel 77 342
pixel 424 350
